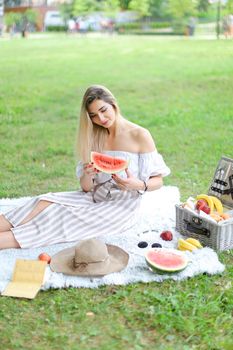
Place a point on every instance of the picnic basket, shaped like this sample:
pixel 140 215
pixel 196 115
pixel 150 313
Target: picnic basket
pixel 214 235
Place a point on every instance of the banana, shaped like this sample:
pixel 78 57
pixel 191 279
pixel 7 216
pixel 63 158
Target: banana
pixel 208 199
pixel 194 242
pixel 217 204
pixel 183 245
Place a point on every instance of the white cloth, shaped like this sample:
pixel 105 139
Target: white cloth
pixel 157 213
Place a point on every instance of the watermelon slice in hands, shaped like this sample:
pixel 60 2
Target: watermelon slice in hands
pixel 108 164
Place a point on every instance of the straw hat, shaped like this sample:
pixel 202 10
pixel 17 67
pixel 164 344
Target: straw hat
pixel 90 257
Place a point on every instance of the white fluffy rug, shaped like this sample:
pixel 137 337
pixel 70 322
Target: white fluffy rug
pixel 157 213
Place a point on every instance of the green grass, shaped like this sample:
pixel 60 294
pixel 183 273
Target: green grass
pixel 181 90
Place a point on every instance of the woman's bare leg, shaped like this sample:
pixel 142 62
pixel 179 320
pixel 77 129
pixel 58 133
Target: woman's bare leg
pixel 7 240
pixel 5 225
pixel 38 208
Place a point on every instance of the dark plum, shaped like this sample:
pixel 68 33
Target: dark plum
pixel 156 245
pixel 142 244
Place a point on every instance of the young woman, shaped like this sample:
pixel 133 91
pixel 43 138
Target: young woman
pixel 106 204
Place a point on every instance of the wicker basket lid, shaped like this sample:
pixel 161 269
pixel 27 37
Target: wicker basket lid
pixel 222 183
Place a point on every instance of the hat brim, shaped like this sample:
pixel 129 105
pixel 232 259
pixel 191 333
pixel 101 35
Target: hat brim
pixel 63 262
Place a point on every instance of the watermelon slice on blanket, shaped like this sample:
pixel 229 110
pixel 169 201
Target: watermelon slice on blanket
pixel 108 164
pixel 163 260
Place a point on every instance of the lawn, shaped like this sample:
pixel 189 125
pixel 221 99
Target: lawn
pixel 181 90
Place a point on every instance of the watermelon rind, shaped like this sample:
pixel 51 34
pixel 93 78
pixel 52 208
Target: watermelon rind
pixel 159 268
pixel 109 170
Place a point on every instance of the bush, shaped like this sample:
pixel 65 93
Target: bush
pixel 57 28
pixel 209 16
pixel 179 26
pixel 136 32
pixel 128 27
pixel 158 25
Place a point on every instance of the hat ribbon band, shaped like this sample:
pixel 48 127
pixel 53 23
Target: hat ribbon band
pixel 84 264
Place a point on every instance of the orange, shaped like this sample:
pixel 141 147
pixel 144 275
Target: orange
pixel 44 257
pixel 216 217
pixel 225 216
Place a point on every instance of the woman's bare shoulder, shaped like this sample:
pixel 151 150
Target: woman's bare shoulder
pixel 143 138
pixel 135 138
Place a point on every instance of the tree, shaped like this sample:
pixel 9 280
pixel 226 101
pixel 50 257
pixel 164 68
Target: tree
pixel 203 5
pixel 66 10
pixel 28 18
pixel 180 11
pixel 142 7
pixel 110 7
pixel 11 19
pixel 229 6
pixel 182 8
pixel 21 20
pixel 158 8
pixel 124 4
pixel 84 7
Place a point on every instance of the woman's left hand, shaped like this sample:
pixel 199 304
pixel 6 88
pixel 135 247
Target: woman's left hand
pixel 130 183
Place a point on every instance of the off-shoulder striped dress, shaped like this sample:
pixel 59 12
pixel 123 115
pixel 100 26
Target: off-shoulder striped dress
pixel 74 216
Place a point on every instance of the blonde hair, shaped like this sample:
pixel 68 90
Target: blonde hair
pixel 92 137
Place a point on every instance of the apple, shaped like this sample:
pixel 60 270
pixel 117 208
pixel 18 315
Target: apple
pixel 166 235
pixel 206 209
pixel 203 206
pixel 200 204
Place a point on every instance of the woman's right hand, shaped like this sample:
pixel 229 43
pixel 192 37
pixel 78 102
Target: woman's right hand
pixel 87 179
pixel 90 170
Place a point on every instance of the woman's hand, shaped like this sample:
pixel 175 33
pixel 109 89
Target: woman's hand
pixel 87 179
pixel 130 183
pixel 89 170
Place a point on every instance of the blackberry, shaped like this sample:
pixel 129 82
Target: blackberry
pixel 142 244
pixel 156 245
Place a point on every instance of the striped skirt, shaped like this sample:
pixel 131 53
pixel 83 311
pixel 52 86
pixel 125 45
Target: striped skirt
pixel 74 216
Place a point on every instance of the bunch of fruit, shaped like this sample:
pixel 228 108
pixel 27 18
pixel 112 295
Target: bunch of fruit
pixel 189 244
pixel 210 205
pixel 165 235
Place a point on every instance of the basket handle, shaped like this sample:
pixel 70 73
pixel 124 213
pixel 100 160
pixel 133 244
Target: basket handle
pixel 191 227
